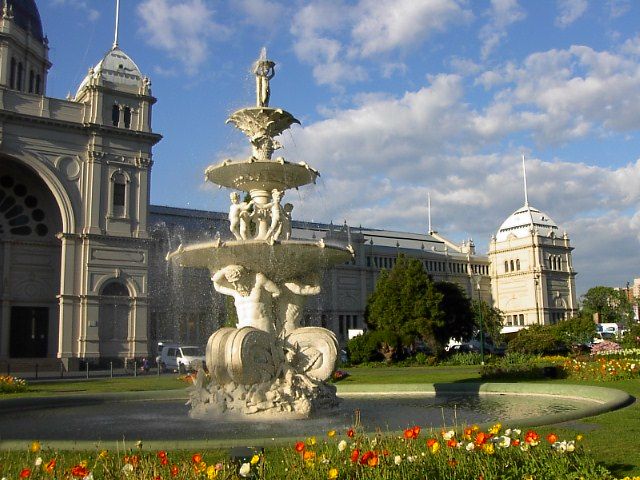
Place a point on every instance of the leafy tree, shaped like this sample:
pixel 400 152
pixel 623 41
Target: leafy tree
pixel 407 302
pixel 374 345
pixel 492 320
pixel 458 314
pixel 576 330
pixel 535 340
pixel 610 304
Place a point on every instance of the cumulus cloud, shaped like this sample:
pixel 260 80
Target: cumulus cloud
pixel 180 28
pixel 82 5
pixel 335 36
pixel 502 14
pixel 570 11
pixel 262 12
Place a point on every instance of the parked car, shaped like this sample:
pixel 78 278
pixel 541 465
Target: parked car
pixel 182 358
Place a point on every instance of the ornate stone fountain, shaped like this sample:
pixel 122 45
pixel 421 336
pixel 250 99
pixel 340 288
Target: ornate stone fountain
pixel 269 364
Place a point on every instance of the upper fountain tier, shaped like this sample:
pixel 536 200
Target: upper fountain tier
pixel 261 124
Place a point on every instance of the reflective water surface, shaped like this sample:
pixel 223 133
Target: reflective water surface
pixel 96 419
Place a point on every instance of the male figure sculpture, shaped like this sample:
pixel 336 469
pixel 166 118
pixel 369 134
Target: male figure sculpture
pixel 252 294
pixel 291 304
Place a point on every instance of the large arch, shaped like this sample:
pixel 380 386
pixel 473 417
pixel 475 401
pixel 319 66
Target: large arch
pixel 30 262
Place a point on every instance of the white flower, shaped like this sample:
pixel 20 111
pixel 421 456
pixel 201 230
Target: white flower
pixel 342 445
pixel 89 477
pixel 397 459
pixel 571 446
pixel 470 446
pixel 127 469
pixel 560 446
pixel 38 461
pixel 374 442
pixel 245 469
pixel 524 447
pixel 517 431
pixel 507 432
pixel 448 435
pixel 411 459
pixel 503 441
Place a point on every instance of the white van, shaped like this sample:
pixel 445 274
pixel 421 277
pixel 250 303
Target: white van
pixel 182 358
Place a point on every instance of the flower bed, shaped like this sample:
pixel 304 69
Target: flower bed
pixel 603 369
pixel 9 384
pixel 471 453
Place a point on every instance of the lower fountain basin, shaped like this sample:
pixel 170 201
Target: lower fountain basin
pixel 161 418
pixel 280 261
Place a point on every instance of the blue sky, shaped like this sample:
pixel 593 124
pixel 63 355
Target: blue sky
pixel 397 98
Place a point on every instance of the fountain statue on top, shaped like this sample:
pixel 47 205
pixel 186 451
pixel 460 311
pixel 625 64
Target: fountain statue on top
pixel 269 364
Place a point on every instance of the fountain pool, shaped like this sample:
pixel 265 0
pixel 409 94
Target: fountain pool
pixel 160 417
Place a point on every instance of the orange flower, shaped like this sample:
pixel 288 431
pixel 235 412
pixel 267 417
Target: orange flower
pixel 373 461
pixel 199 467
pixel 408 433
pixel 531 437
pixel 350 433
pixel 196 458
pixel 35 447
pixel 481 438
pixel 299 447
pixel 50 465
pixel 431 442
pixel 79 471
pixel 552 438
pixel 157 477
pixel 467 433
pixel 365 457
pixel 164 461
pixel 174 470
pixel 416 431
pixel 452 443
pixel 354 455
pixel 308 456
pixel 25 473
pixel 162 454
pixel 452 462
pixel 515 442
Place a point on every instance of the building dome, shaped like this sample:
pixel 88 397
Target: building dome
pixel 116 67
pixel 521 222
pixel 27 17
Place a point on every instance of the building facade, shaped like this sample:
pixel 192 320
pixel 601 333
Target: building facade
pixel 74 187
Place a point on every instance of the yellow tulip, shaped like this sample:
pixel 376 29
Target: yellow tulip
pixel 333 474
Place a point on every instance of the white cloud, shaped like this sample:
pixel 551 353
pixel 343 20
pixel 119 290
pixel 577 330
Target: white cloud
pixel 501 15
pixel 82 5
pixel 335 36
pixel 570 11
pixel 385 25
pixel 181 28
pixel 618 8
pixel 262 13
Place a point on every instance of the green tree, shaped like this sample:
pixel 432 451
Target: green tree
pixel 458 315
pixel 611 305
pixel 407 302
pixel 492 320
pixel 577 330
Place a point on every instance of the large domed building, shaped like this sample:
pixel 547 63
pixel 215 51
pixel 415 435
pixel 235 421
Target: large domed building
pixel 532 276
pixel 74 194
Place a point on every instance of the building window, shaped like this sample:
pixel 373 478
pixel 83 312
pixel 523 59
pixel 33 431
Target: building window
pixel 119 195
pixel 31 81
pixel 506 266
pixel 341 325
pixel 38 90
pixel 12 74
pixel 127 117
pixel 517 264
pixel 115 115
pixel 521 319
pixel 19 76
pixel 511 265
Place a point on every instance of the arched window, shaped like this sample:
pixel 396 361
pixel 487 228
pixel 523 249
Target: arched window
pixel 32 79
pixel 511 265
pixel 506 266
pixel 38 90
pixel 19 77
pixel 127 117
pixel 12 74
pixel 115 114
pixel 119 195
pixel 517 264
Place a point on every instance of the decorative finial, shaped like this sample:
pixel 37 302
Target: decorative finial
pixel 115 37
pixel 264 70
pixel 524 176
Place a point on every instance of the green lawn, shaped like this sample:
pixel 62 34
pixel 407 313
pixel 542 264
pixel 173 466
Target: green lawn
pixel 612 438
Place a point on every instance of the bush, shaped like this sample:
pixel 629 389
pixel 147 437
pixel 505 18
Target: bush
pixel 9 384
pixel 374 346
pixel 468 358
pixel 536 340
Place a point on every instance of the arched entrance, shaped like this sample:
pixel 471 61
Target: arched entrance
pixel 114 318
pixel 29 263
